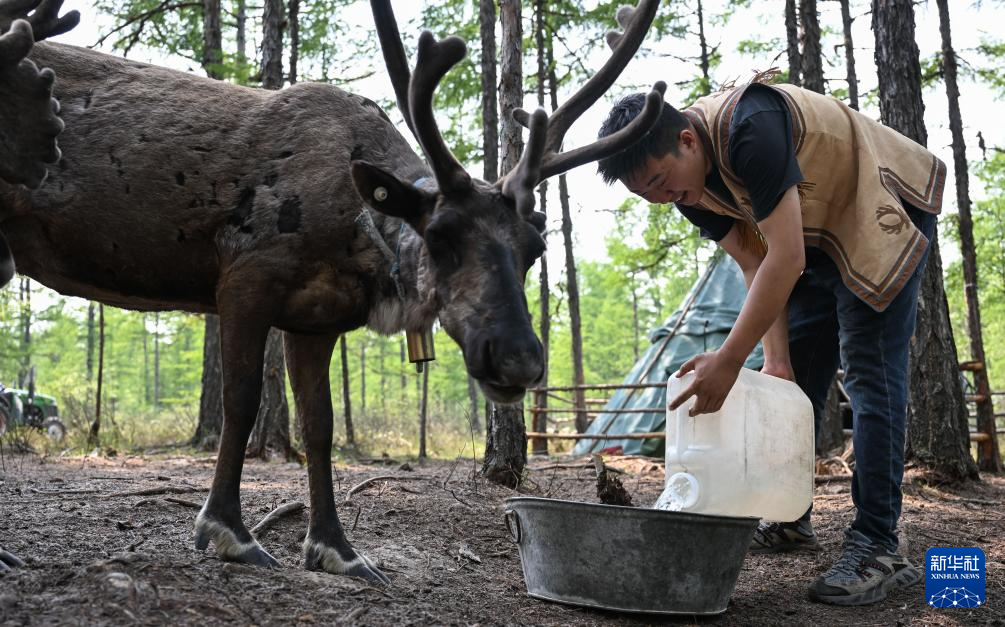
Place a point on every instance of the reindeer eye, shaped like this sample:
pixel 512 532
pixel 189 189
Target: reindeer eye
pixel 380 194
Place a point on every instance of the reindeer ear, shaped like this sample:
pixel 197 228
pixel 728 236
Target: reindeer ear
pixel 386 193
pixel 29 122
pixel 538 220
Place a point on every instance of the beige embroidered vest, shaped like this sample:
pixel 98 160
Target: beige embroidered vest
pixel 855 170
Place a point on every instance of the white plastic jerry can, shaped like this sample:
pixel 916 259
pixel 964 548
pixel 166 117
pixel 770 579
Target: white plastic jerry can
pixel 753 457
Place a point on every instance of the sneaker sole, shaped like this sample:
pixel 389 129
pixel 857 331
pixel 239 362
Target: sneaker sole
pixel 787 548
pixel 904 579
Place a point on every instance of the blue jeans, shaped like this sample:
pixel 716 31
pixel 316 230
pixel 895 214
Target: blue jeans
pixel 828 326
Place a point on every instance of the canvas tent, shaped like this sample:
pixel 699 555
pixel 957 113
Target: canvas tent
pixel 700 324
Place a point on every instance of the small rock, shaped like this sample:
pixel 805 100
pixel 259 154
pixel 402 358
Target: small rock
pixel 119 581
pixel 406 467
pixel 464 551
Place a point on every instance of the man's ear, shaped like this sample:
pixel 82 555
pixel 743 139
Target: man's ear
pixel 688 138
pixel 388 194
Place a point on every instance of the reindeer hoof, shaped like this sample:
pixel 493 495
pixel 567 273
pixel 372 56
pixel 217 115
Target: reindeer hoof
pixel 229 545
pixel 346 561
pixel 9 561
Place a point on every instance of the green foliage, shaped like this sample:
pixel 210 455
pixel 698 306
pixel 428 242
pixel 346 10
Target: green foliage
pixel 992 71
pixel 171 27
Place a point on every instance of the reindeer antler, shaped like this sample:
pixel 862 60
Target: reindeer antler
pixel 44 19
pixel 636 22
pixel 414 92
pixel 29 122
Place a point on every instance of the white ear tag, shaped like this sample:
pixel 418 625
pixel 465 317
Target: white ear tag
pixel 380 194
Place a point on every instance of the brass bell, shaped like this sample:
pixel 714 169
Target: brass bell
pixel 420 347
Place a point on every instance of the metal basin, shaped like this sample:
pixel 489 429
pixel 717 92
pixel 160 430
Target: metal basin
pixel 627 558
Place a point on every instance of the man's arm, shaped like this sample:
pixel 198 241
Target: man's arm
pixel 776 340
pixel 774 278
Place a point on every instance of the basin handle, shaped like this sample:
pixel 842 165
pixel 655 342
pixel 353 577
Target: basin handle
pixel 512 525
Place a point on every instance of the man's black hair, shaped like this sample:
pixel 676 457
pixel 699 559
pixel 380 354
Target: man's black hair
pixel 661 139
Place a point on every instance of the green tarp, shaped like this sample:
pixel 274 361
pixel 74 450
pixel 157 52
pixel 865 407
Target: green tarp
pixel 700 324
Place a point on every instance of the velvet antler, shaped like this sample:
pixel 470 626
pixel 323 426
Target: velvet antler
pixel 414 92
pixel 552 161
pixel 29 120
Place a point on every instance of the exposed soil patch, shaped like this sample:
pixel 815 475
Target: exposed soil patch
pixel 94 558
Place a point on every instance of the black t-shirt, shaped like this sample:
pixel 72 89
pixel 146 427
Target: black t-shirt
pixel 762 155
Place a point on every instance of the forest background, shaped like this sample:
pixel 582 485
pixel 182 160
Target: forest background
pixel 631 263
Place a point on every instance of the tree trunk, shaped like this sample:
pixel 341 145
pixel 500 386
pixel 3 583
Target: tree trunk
pixel 94 436
pixel 25 332
pixel 490 136
pixel 157 360
pixel 294 39
pixel 212 39
pixel 423 411
pixel 474 422
pixel 989 459
pixel 540 417
pixel 383 375
pixel 242 31
pixel 272 44
pixel 937 415
pixel 635 318
pixel 572 283
pixel 506 441
pixel 849 55
pixel 792 38
pixel 146 362
pixel 490 115
pixel 362 376
pixel 511 82
pixel 704 60
pixel 90 341
pixel 812 60
pixel 272 425
pixel 404 382
pixel 350 434
pixel 210 422
pixel 505 447
pixel 831 436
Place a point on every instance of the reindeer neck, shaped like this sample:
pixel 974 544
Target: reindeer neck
pixel 414 307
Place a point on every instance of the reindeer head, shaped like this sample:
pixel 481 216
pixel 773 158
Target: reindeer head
pixel 480 239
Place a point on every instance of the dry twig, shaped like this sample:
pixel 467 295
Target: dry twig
pixel 275 515
pixel 178 501
pixel 362 485
pixel 168 489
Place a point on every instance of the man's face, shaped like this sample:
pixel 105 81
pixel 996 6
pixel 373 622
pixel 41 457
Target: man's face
pixel 673 178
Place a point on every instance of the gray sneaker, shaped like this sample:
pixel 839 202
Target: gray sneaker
pixel 778 537
pixel 864 574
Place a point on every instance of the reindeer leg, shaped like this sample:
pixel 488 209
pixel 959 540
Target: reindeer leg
pixel 325 547
pixel 242 341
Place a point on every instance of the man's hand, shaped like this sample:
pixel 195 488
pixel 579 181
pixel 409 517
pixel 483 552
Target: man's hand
pixel 714 376
pixel 782 370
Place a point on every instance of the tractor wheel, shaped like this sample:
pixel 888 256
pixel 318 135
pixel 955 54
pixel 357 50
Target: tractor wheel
pixel 55 429
pixel 4 417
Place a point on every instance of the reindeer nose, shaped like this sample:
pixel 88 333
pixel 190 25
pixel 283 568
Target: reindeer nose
pixel 515 359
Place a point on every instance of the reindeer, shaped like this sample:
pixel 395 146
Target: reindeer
pixel 174 192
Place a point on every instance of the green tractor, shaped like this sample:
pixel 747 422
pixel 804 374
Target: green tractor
pixel 28 409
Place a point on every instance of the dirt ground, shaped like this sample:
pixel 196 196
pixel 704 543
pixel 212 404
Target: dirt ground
pixel 97 557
